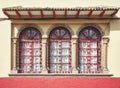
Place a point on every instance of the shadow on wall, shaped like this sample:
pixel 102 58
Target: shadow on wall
pixel 115 25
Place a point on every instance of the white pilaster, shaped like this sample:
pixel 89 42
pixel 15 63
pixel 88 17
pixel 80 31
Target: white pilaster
pixel 74 55
pixel 105 41
pixel 44 55
pixel 14 56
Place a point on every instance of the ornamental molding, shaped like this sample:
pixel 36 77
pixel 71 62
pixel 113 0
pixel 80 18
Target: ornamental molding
pixel 30 25
pixel 60 25
pixel 91 25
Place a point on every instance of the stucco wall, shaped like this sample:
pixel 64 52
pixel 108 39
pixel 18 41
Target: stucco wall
pixel 114 44
pixel 114 48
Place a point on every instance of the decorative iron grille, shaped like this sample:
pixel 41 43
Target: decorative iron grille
pixel 59 60
pixel 30 55
pixel 89 44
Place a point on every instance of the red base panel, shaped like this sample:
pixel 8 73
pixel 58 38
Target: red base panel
pixel 59 82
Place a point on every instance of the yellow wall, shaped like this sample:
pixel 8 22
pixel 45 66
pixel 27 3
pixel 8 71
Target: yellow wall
pixel 114 45
pixel 114 48
pixel 4 48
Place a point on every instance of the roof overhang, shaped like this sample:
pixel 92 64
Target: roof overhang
pixel 78 12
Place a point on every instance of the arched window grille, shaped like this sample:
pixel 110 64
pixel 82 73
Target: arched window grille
pixel 89 44
pixel 30 55
pixel 59 59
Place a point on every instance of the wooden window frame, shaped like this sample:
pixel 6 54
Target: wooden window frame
pixel 88 40
pixel 32 37
pixel 59 40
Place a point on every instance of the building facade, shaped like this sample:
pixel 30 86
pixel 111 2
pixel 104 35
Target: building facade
pixel 60 41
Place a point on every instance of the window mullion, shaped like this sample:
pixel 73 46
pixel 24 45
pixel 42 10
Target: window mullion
pixel 60 57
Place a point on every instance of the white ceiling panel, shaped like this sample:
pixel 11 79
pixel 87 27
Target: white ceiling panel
pixel 48 12
pixel 84 12
pixel 108 12
pixel 60 12
pixel 71 12
pixel 11 12
pixel 35 12
pixel 96 12
pixel 23 12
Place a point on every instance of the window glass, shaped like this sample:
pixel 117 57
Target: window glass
pixel 60 50
pixel 89 50
pixel 30 51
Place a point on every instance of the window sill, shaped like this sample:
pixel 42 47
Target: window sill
pixel 68 74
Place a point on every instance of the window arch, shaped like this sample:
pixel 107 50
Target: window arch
pixel 30 55
pixel 59 60
pixel 89 56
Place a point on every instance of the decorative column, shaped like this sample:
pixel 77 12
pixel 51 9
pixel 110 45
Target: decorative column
pixel 105 41
pixel 14 56
pixel 44 55
pixel 74 55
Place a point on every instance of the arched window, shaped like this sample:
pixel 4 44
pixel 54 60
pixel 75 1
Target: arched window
pixel 30 51
pixel 59 51
pixel 89 44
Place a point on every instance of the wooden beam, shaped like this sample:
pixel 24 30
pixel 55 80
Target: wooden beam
pixel 29 13
pixel 54 14
pixel 78 13
pixel 65 13
pixel 5 12
pixel 90 13
pixel 113 14
pixel 18 14
pixel 41 12
pixel 58 21
pixel 102 13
